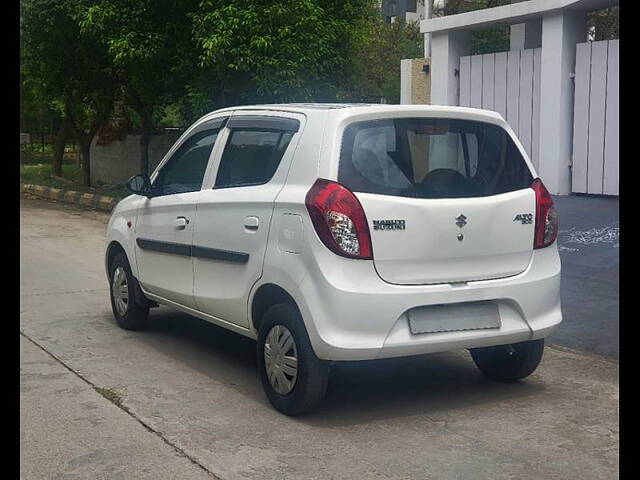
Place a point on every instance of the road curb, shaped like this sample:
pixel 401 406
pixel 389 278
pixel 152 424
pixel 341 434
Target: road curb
pixel 93 200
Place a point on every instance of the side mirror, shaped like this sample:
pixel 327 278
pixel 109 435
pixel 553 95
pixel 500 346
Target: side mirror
pixel 140 185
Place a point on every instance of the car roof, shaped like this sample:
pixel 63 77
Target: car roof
pixel 335 116
pixel 347 109
pixel 300 106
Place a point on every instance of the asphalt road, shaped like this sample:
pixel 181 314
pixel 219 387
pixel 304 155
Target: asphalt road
pixel 182 400
pixel 588 242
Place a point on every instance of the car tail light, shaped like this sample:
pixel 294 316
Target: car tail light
pixel 546 228
pixel 339 219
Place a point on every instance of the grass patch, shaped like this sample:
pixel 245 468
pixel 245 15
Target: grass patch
pixel 40 174
pixel 32 157
pixel 111 395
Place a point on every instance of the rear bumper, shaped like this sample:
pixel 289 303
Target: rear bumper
pixel 351 314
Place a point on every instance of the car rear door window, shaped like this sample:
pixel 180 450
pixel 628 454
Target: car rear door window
pixel 431 158
pixel 251 156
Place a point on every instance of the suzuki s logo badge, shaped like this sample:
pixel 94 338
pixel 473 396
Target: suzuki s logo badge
pixel 461 220
pixel 388 224
pixel 524 218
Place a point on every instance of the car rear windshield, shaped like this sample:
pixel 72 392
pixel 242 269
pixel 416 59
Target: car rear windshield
pixel 431 158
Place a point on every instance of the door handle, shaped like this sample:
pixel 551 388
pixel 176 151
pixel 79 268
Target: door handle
pixel 251 223
pixel 181 223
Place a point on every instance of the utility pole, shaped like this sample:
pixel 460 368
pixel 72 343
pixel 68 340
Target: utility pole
pixel 427 36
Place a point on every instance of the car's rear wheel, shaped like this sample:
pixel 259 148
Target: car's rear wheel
pixel 509 363
pixel 129 314
pixel 294 379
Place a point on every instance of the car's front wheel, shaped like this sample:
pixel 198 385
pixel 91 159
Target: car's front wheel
pixel 509 363
pixel 129 314
pixel 294 379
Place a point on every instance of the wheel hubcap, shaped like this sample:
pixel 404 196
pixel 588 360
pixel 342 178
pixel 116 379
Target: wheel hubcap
pixel 281 359
pixel 120 290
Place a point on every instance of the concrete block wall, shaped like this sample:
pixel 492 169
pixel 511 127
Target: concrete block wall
pixel 116 162
pixel 415 83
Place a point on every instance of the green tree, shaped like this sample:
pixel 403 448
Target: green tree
pixel 39 94
pixel 72 69
pixel 151 45
pixel 266 51
pixel 605 23
pixel 38 113
pixel 375 56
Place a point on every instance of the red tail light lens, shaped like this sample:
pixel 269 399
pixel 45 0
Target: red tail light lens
pixel 546 229
pixel 339 219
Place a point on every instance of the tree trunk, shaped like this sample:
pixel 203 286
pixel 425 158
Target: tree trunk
pixel 85 154
pixel 85 137
pixel 146 113
pixel 58 151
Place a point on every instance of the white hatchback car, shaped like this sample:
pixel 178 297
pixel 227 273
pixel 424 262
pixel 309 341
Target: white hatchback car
pixel 345 232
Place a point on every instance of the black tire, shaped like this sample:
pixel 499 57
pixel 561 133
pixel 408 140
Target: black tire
pixel 509 363
pixel 312 373
pixel 136 316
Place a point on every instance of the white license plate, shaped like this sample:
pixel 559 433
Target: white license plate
pixel 454 317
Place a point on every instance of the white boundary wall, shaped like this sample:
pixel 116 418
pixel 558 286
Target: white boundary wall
pixel 116 162
pixel 595 156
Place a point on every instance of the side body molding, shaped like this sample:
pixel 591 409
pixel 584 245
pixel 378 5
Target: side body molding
pixel 192 251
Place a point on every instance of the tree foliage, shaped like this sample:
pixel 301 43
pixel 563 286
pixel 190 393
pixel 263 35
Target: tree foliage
pixel 605 23
pixel 72 70
pixel 375 57
pixel 150 45
pixel 260 51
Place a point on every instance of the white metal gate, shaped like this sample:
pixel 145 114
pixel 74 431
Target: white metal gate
pixel 508 83
pixel 595 156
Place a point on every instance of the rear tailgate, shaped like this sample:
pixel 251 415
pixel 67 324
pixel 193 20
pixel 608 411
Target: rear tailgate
pixel 447 200
pixel 433 248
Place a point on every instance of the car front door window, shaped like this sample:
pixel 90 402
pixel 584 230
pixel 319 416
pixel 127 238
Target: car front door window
pixel 184 171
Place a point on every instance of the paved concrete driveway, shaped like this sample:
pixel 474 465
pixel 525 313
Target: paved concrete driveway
pixel 183 398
